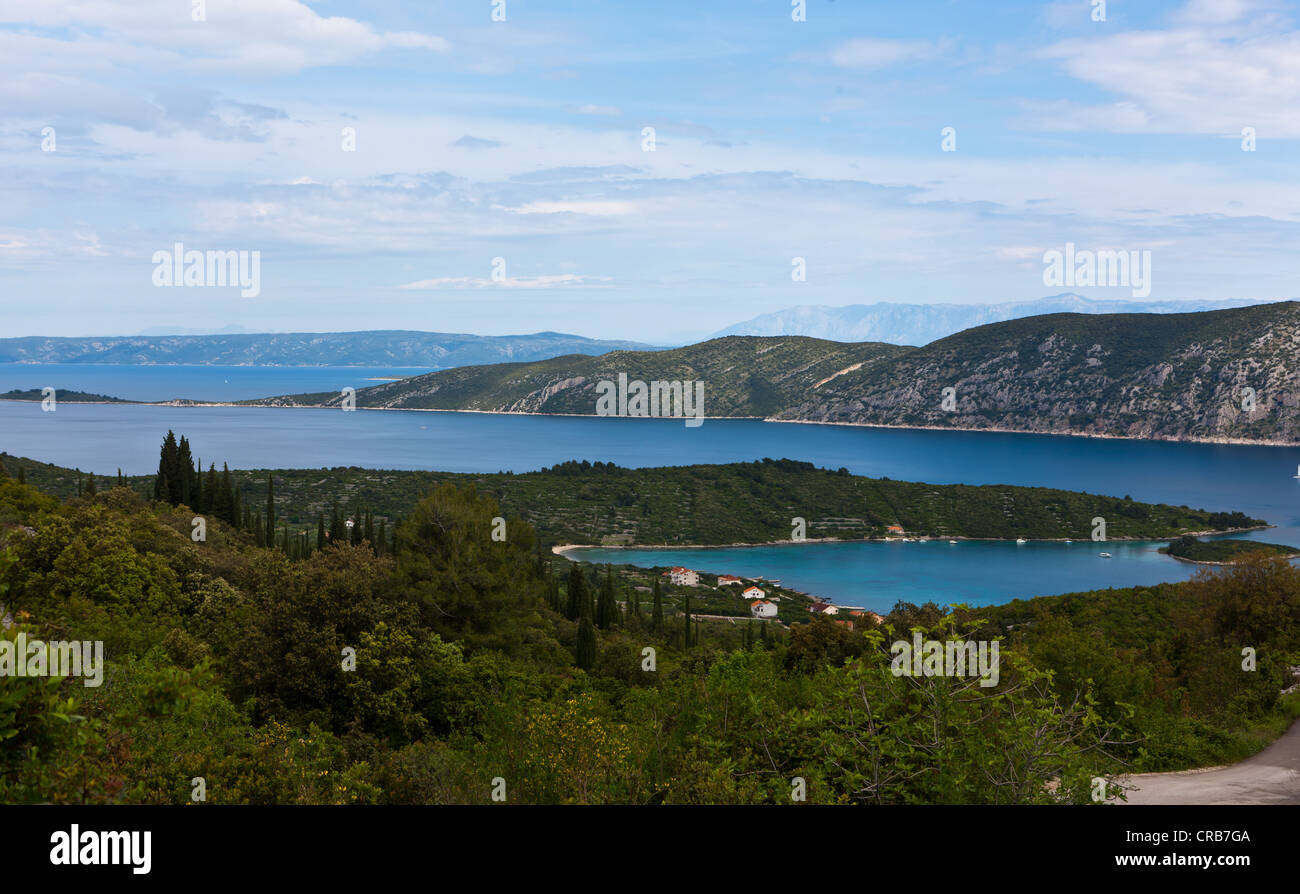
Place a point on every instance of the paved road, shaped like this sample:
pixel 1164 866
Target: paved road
pixel 1270 777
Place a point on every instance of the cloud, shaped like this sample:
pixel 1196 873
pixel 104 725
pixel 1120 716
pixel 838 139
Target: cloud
pixel 869 53
pixel 471 142
pixel 596 206
pixel 590 109
pixel 251 35
pixel 1198 77
pixel 555 281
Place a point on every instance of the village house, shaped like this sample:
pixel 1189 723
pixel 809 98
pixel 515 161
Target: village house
pixel 683 577
pixel 848 624
pixel 894 529
pixel 753 593
pixel 726 580
pixel 761 608
pixel 866 615
pixel 823 608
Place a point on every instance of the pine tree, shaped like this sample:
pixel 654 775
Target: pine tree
pixel 657 612
pixel 576 605
pixel 585 654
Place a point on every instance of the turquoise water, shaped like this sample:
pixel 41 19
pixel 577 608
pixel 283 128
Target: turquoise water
pixel 1255 480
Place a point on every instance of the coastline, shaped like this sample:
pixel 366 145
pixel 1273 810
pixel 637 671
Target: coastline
pixel 561 549
pixel 186 403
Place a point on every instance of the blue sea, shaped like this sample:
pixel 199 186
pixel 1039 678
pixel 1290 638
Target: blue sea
pixel 1256 480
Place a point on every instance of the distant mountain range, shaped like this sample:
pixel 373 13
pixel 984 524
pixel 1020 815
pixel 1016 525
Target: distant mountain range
pixel 1212 375
pixel 920 324
pixel 378 348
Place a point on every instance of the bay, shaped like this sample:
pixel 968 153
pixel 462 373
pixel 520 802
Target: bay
pixel 1256 480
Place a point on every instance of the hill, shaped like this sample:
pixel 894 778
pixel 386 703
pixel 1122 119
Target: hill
pixel 1175 376
pixel 1166 376
pixel 920 324
pixel 376 348
pixel 742 376
pixel 704 504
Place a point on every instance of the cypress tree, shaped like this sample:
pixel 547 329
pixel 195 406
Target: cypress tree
pixel 354 537
pixel 370 530
pixel 211 496
pixel 236 508
pixel 686 627
pixel 270 509
pixel 162 485
pixel 576 606
pixel 657 612
pixel 585 654
pixel 336 527
pixel 90 485
pixel 183 481
pixel 381 541
pixel 258 537
pixel 606 605
pixel 78 471
pixel 634 604
pixel 320 532
pixel 22 475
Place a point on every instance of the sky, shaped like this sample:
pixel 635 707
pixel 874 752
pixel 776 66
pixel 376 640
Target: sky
pixel 485 166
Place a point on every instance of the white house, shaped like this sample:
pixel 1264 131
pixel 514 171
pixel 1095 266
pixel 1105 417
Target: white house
pixel 683 577
pixel 823 608
pixel 726 580
pixel 753 593
pixel 761 608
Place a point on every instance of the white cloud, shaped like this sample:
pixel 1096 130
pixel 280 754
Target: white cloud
pixel 874 52
pixel 555 281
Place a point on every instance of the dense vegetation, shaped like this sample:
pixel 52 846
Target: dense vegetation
pixel 424 674
pixel 755 502
pixel 1218 551
pixel 63 395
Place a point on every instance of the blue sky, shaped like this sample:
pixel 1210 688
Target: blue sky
pixel 522 140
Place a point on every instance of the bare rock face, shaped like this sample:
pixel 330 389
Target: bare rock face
pixel 1225 375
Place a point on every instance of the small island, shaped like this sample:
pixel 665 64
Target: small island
pixel 1224 552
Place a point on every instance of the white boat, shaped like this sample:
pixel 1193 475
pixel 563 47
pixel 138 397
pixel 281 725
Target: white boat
pixel 1021 540
pixel 1069 541
pixel 1104 555
pixel 952 541
pixel 1297 472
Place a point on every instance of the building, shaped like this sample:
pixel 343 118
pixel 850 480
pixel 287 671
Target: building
pixel 823 608
pixel 726 580
pixel 761 608
pixel 683 577
pixel 848 624
pixel 753 593
pixel 894 529
pixel 867 615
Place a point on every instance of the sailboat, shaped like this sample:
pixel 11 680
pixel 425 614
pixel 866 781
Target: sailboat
pixel 1297 472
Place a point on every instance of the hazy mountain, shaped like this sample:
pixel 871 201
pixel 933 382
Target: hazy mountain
pixel 920 324
pixel 1136 375
pixel 377 348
